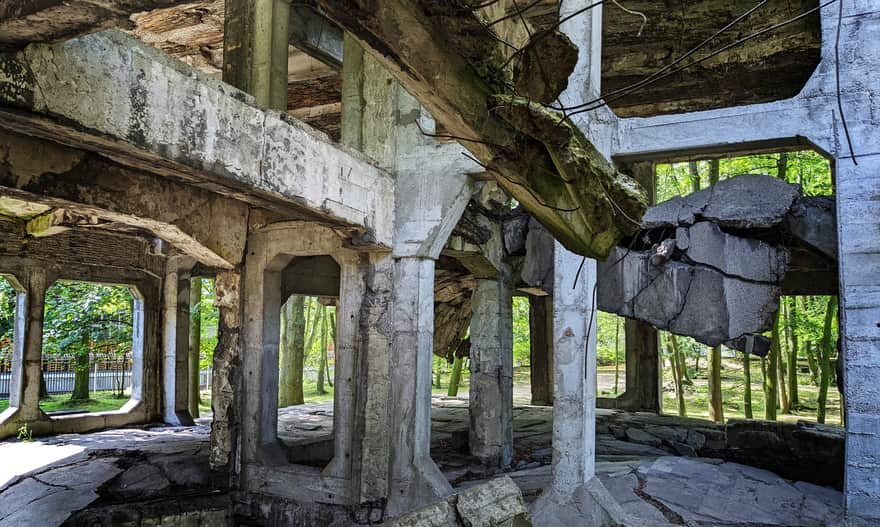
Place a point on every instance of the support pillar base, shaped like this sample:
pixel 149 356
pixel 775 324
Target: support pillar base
pixel 588 504
pixel 427 486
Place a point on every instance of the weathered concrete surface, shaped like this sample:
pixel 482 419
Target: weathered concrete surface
pixel 721 258
pixel 685 299
pixel 133 103
pixel 117 466
pixel 748 201
pixel 491 378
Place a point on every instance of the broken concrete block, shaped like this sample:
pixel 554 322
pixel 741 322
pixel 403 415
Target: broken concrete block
pixel 814 222
pixel 439 514
pixel 497 503
pixel 700 302
pixel 745 258
pixel 537 269
pixel 747 201
pixel 542 70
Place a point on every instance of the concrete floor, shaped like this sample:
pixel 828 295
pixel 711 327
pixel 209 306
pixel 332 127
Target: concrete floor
pixel 58 476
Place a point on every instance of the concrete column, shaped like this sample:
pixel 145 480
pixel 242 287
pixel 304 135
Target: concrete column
pixel 16 384
pixel 541 349
pixel 255 45
pixel 175 344
pixel 491 384
pixel 226 382
pixel 372 421
pixel 415 478
pixel 576 496
pixel 29 405
pixel 858 195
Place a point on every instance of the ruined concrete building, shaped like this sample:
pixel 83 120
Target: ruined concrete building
pixel 417 163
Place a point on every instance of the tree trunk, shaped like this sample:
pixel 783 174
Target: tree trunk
pixel 793 396
pixel 675 358
pixel 290 363
pixel 322 361
pixel 81 373
pixel 195 340
pixel 771 393
pixel 616 353
pixel 747 385
pixel 682 364
pixel 716 407
pixel 333 337
pixel 782 360
pixel 455 378
pixel 825 365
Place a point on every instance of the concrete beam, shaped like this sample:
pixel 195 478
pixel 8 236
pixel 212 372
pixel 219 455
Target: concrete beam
pixel 109 93
pixel 452 72
pixel 208 226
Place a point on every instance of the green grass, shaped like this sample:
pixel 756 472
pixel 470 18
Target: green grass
pixel 100 402
pixel 732 388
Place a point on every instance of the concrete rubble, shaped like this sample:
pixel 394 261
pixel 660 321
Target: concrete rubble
pixel 711 265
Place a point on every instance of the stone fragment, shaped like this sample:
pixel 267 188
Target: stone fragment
pixel 537 269
pixel 498 503
pixel 813 221
pixel 640 436
pixel 700 302
pixel 543 67
pixel 748 201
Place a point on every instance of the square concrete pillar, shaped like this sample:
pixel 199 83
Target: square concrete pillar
pixel 858 195
pixel 575 496
pixel 175 342
pixel 415 478
pixel 29 404
pixel 491 383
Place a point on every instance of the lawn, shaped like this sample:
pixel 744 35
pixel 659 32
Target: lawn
pixel 732 385
pixel 99 402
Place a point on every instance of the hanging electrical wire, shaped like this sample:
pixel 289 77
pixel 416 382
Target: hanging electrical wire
pixel 602 101
pixel 677 61
pixel 852 152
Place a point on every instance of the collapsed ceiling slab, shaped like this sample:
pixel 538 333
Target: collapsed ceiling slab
pixel 712 265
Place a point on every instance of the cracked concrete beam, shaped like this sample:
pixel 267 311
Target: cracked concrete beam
pixel 208 226
pixel 747 201
pixel 450 62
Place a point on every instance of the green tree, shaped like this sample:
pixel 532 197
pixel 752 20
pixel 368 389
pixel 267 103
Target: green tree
pixel 826 364
pixel 80 317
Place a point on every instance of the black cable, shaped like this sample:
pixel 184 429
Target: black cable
pixel 852 152
pixel 672 64
pixel 517 12
pixel 743 40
